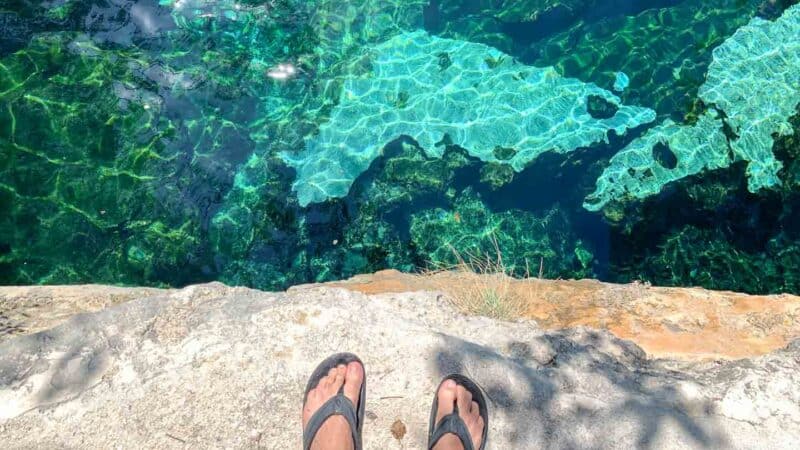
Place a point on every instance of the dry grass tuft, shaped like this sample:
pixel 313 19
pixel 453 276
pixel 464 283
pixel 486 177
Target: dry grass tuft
pixel 482 285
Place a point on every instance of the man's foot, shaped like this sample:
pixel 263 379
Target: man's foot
pixel 449 394
pixel 334 434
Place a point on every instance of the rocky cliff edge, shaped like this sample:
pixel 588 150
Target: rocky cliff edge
pixel 212 366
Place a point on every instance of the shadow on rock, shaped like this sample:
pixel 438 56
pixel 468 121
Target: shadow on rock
pixel 42 375
pixel 582 389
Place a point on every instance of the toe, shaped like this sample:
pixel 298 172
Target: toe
pixel 341 371
pixel 477 433
pixel 446 399
pixel 335 431
pixel 354 376
pixel 463 399
pixel 338 379
pixel 475 409
pixel 326 381
pixel 319 389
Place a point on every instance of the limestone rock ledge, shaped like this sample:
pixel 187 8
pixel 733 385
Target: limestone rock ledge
pixel 216 367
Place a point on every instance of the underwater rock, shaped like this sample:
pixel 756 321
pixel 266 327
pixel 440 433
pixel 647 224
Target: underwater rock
pixel 482 100
pixel 692 255
pixel 405 174
pixel 318 41
pixel 522 239
pixel 755 79
pixel 496 174
pixel 323 33
pixel 119 191
pixel 584 256
pixel 600 108
pixel 343 28
pixel 635 171
pixel 261 239
pixel 594 40
pixel 621 82
pixel 754 82
pixel 708 229
pixel 173 175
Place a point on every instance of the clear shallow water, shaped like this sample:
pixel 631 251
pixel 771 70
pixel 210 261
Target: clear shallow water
pixel 166 143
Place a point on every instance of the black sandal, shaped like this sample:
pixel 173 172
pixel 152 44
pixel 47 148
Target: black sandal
pixel 336 405
pixel 452 423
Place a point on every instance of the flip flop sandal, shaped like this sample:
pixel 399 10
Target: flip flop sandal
pixel 336 405
pixel 452 423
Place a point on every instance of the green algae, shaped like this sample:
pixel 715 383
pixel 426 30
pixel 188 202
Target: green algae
pixel 703 257
pixel 524 241
pixel 153 156
pixel 318 244
pixel 76 157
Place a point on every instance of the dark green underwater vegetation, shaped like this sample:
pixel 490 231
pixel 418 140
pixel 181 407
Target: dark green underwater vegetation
pixel 141 143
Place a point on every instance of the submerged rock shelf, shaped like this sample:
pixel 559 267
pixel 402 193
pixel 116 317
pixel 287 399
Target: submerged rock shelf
pixel 752 88
pixel 443 92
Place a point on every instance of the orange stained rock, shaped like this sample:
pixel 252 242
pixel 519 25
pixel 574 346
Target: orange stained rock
pixel 687 323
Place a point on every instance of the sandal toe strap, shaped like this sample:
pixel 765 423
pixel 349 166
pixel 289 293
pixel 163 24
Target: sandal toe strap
pixel 338 405
pixel 453 424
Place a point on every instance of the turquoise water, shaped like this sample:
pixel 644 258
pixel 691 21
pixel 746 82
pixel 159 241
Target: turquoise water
pixel 270 143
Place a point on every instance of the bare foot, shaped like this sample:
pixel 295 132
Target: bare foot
pixel 334 434
pixel 449 394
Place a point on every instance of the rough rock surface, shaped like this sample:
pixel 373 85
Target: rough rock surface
pixel 216 367
pixel 30 309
